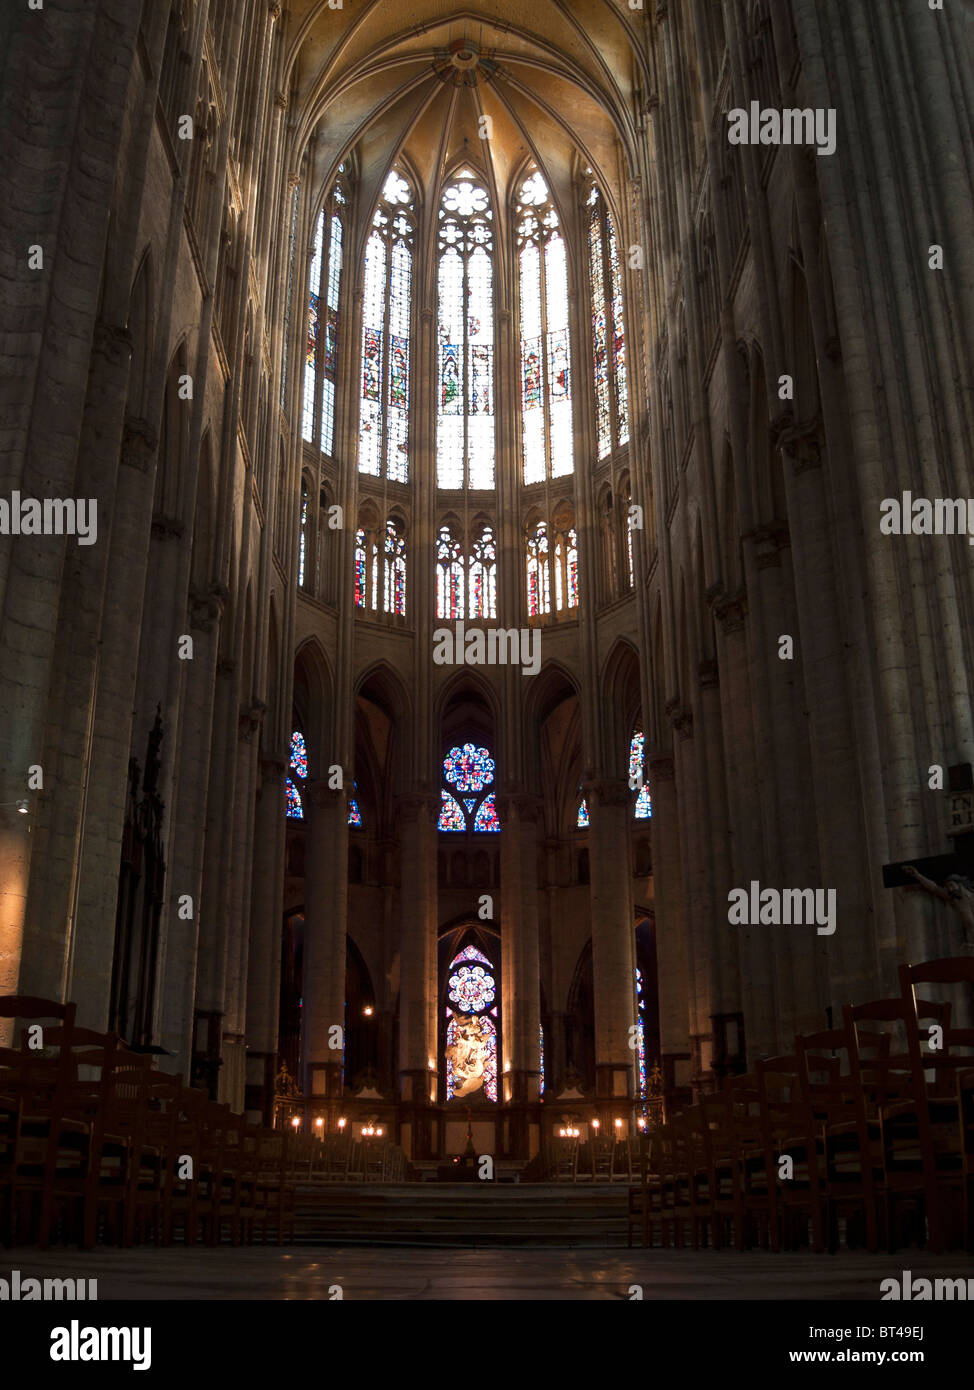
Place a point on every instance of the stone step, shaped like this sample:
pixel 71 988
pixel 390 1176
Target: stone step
pixel 460 1214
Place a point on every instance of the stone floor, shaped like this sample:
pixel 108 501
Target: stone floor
pixel 521 1275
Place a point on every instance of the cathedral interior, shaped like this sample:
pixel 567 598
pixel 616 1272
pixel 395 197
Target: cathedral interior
pixel 489 716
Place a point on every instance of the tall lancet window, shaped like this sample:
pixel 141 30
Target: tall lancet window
pixel 298 769
pixel 321 351
pixel 546 384
pixel 471 1026
pixel 465 400
pixel 608 328
pixel 539 595
pixel 383 448
pixel 395 570
pixel 449 574
pixel 483 574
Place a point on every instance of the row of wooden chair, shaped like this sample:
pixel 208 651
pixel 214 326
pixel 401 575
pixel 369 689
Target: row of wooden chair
pixel 344 1159
pixel 97 1144
pixel 591 1160
pixel 869 1125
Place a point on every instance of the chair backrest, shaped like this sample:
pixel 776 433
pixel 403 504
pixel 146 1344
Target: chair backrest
pixel 956 1045
pixel 27 1008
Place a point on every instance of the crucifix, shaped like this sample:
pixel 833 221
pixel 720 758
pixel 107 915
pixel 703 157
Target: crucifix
pixel 947 877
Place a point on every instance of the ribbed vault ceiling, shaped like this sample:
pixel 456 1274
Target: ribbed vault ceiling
pixel 558 79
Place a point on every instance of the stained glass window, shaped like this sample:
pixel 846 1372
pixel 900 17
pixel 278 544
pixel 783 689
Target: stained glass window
pixel 476 1036
pixel 329 366
pixel 298 766
pixel 608 328
pixel 321 347
pixel 395 571
pixel 539 599
pixel 581 820
pixel 541 1060
pixel 470 953
pixel 468 768
pixel 354 811
pixel 469 771
pixel 486 819
pixel 472 988
pixel 644 802
pixel 303 541
pixel 465 337
pixel 547 436
pixel 483 576
pixel 449 575
pixel 451 814
pixel 641 1032
pixel 360 543
pixel 311 344
pixel 566 569
pixel 299 755
pixel 386 308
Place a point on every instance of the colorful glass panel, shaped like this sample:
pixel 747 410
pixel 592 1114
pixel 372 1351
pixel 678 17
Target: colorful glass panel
pixel 465 402
pixel 394 571
pixel 644 804
pixel 470 953
pixel 472 988
pixel 293 800
pixel 483 576
pixel 480 1038
pixel 537 568
pixel 641 1033
pixel 449 576
pixel 581 820
pixel 354 814
pixel 486 820
pixel 384 404
pixel 299 755
pixel 469 769
pixel 360 569
pixel 451 814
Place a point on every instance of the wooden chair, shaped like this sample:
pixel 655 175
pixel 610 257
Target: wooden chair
pixel 788 1130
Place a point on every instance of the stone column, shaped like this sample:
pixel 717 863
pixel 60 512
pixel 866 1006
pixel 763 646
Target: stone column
pixel 613 936
pixel 187 836
pixel 521 999
pixel 232 1052
pixel 743 796
pixel 325 913
pixel 418 970
pixel 671 950
pixel 264 973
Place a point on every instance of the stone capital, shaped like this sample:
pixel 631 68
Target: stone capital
pixel 729 610
pixel 250 719
pixel 323 797
pixel 769 541
pixel 661 769
pixel 709 674
pixel 607 791
pixel 801 441
pixel 206 606
pixel 139 444
pixel 680 717
pixel 415 807
pixel 519 807
pixel 272 770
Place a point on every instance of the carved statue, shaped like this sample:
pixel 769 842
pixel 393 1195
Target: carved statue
pixel 957 892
